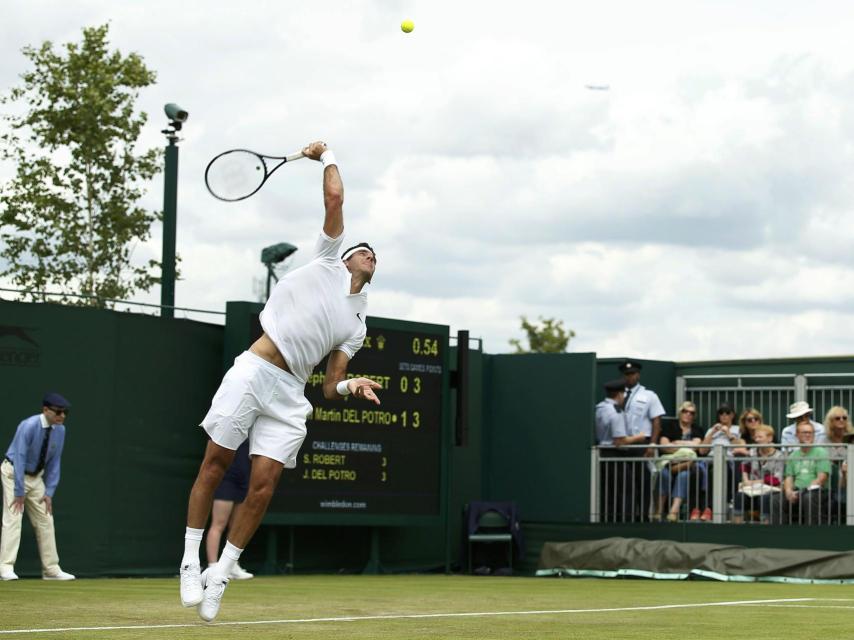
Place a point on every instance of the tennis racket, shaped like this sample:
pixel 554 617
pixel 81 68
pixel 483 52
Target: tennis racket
pixel 239 173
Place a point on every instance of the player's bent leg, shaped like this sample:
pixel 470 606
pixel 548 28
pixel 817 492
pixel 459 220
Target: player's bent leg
pixel 216 462
pixel 213 467
pixel 237 572
pixel 263 480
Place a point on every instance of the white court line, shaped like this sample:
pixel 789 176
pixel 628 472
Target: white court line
pixel 835 599
pixel 410 616
pixel 812 606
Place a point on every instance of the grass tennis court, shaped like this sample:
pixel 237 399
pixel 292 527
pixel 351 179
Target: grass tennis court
pixel 430 607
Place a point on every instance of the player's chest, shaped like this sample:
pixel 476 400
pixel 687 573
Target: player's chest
pixel 347 314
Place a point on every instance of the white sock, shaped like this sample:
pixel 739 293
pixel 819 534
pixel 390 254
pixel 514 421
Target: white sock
pixel 230 556
pixel 192 542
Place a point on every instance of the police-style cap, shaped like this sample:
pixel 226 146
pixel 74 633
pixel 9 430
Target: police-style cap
pixel 615 385
pixel 362 245
pixel 629 366
pixel 55 400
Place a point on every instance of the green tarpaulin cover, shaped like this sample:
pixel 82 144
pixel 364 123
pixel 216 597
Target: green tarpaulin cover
pixel 665 559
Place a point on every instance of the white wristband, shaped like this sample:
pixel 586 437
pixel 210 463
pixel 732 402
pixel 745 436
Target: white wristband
pixel 342 388
pixel 327 158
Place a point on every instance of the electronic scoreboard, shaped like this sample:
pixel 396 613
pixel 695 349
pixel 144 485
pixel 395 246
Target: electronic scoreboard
pixel 363 463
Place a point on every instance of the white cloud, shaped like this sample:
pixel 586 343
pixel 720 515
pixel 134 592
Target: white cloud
pixel 699 208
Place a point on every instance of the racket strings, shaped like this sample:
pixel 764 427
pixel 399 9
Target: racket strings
pixel 236 175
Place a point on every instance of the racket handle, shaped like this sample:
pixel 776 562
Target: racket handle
pixel 294 156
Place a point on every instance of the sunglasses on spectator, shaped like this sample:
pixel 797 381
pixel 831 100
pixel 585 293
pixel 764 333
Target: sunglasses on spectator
pixel 59 410
pixel 751 418
pixel 691 411
pixel 840 417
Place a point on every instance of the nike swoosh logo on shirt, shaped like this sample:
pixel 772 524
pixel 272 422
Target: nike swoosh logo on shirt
pixel 359 317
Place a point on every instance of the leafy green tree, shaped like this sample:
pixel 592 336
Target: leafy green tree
pixel 549 336
pixel 70 218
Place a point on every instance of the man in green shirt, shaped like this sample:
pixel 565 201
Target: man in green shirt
pixel 807 471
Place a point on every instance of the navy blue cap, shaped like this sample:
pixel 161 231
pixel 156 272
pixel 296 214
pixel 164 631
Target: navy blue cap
pixel 615 385
pixel 629 366
pixel 55 400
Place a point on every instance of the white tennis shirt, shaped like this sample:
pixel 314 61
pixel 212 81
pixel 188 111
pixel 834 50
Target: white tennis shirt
pixel 311 311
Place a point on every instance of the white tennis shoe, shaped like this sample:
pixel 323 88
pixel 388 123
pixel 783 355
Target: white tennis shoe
pixel 239 573
pixel 191 585
pixel 214 585
pixel 59 575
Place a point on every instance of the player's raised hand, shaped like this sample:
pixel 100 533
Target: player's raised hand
pixel 314 150
pixel 364 389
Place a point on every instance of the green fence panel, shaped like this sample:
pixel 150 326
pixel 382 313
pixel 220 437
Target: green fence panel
pixel 139 386
pixel 538 409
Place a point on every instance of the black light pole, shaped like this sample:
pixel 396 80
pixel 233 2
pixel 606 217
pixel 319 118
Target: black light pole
pixel 275 254
pixel 177 117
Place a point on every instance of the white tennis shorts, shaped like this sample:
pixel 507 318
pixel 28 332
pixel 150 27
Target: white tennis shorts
pixel 259 401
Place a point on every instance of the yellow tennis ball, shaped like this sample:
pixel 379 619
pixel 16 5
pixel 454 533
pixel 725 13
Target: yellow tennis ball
pixel 407 26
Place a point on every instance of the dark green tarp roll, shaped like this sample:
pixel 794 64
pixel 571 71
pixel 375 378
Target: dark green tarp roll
pixel 665 559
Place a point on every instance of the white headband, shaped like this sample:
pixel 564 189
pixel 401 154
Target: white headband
pixel 349 254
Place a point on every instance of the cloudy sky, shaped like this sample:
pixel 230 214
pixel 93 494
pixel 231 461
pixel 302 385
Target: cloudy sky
pixel 701 207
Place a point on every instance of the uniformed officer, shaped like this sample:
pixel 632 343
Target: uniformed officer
pixel 611 434
pixel 643 409
pixel 643 412
pixel 610 420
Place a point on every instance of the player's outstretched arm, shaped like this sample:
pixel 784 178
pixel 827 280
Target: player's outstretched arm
pixel 333 188
pixel 336 384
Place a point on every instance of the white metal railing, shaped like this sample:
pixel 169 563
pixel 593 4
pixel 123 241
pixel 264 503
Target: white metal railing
pixel 771 393
pixel 626 487
pixel 116 304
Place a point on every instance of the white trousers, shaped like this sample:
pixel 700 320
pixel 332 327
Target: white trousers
pixel 42 521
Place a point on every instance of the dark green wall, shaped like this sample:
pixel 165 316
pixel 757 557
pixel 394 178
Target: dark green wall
pixel 139 386
pixel 538 409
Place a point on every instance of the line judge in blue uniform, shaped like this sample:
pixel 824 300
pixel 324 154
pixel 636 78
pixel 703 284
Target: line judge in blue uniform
pixel 30 475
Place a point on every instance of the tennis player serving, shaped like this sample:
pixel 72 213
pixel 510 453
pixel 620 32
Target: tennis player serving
pixel 313 311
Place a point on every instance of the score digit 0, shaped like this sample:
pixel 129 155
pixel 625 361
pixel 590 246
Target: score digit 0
pixel 404 384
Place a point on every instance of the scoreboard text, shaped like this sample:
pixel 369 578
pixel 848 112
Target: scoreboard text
pixel 376 460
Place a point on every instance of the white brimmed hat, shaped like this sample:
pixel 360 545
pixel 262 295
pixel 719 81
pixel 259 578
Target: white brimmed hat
pixel 797 409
